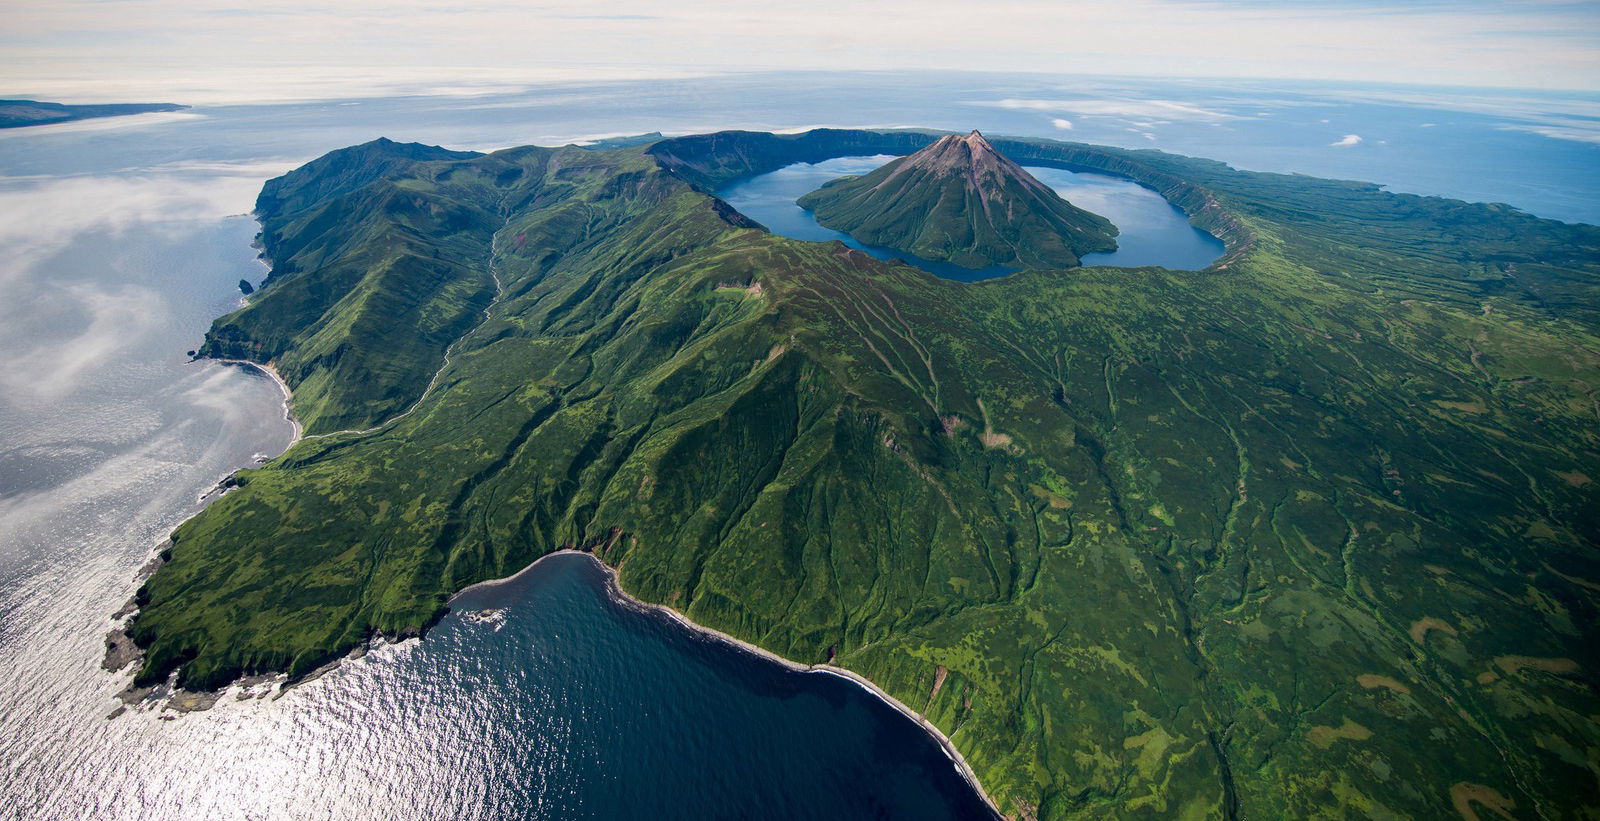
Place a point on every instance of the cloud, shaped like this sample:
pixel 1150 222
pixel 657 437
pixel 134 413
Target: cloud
pixel 262 169
pixel 1572 117
pixel 113 319
pixel 127 121
pixel 1346 141
pixel 1063 124
pixel 58 327
pixel 1137 110
pixel 1573 134
pixel 209 50
pixel 42 216
pixel 1536 108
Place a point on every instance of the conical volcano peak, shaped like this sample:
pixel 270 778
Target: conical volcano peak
pixel 976 143
pixel 968 154
pixel 973 139
pixel 961 200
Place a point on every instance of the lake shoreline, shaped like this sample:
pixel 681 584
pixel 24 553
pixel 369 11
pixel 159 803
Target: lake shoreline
pixel 1154 231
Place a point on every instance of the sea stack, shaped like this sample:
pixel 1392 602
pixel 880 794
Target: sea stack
pixel 962 201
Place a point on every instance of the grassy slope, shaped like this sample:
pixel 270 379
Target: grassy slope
pixel 1309 535
pixel 401 272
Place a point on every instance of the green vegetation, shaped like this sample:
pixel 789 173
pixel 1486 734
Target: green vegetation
pixel 18 113
pixel 1309 534
pixel 961 200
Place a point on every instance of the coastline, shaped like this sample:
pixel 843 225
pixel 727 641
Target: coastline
pixel 183 701
pixel 620 596
pixel 614 591
pixel 277 379
pixel 122 651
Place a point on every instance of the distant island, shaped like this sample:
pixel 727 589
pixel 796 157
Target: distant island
pixel 21 113
pixel 1310 533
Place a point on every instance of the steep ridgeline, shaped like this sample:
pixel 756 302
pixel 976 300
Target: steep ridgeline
pixel 361 338
pixel 1310 534
pixel 961 200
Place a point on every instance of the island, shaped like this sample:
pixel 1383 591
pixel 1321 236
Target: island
pixel 19 113
pixel 1310 533
pixel 959 200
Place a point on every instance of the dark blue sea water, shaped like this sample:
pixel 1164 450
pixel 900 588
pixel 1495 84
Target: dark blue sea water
pixel 121 239
pixel 1153 231
pixel 618 708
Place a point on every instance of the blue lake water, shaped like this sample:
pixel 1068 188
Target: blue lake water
pixel 1152 230
pixel 120 241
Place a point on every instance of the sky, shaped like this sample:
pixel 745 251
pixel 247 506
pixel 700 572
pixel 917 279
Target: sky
pixel 231 50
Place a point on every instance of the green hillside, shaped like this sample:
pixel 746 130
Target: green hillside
pixel 1308 534
pixel 961 200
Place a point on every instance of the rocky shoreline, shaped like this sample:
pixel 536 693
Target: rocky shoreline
pixel 122 651
pixel 623 598
pixel 172 700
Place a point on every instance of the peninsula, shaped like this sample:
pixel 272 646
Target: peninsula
pixel 19 113
pixel 1308 534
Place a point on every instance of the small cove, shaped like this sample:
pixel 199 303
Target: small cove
pixel 1153 231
